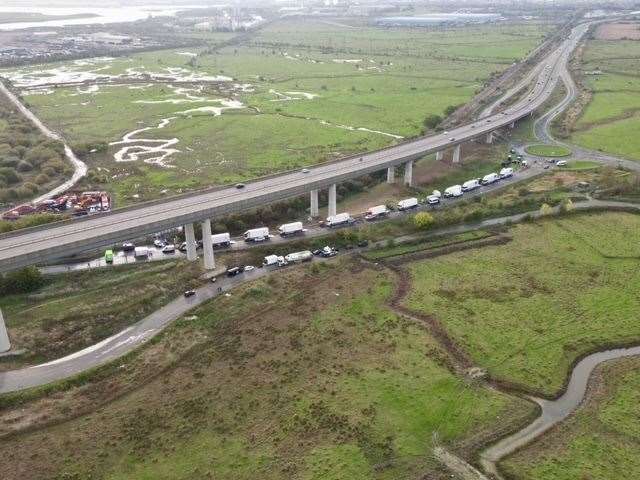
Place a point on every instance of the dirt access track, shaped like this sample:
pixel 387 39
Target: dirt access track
pixel 618 31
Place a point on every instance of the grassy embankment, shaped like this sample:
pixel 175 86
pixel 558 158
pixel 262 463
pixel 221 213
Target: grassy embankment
pixel 601 441
pixel 611 120
pixel 548 150
pixel 82 304
pixel 400 77
pixel 527 310
pixel 336 386
pixel 75 310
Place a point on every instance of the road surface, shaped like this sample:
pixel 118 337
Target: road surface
pixel 42 244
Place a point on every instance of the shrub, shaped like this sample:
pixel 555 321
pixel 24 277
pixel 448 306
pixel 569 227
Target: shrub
pixel 567 205
pixel 545 210
pixel 42 179
pixel 10 175
pixel 432 121
pixel 24 166
pixel 423 220
pixel 21 281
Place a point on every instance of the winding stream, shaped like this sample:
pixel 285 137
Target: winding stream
pixel 553 411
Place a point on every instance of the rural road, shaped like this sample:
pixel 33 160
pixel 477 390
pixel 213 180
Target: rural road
pixel 139 333
pixel 18 249
pixel 555 411
pixel 79 167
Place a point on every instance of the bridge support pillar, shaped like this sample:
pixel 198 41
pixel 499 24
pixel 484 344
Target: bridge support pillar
pixel 457 153
pixel 5 345
pixel 439 156
pixel 490 137
pixel 391 174
pixel 314 210
pixel 513 124
pixel 332 201
pixel 207 246
pixel 190 239
pixel 408 173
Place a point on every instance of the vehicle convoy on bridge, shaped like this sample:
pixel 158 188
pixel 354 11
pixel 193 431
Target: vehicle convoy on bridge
pixel 43 244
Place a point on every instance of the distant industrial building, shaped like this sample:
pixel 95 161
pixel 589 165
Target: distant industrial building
pixel 437 19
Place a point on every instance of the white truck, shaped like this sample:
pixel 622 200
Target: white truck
pixel 257 234
pixel 506 172
pixel 407 203
pixel 471 185
pixel 489 179
pixel 296 257
pixel 221 239
pixel 290 229
pixel 453 191
pixel 141 252
pixel 274 260
pixel 339 219
pixel 376 212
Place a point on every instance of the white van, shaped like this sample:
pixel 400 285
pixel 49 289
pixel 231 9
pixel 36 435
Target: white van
pixel 407 203
pixel 506 172
pixel 339 219
pixel 257 234
pixel 433 199
pixel 489 179
pixel 471 185
pixel 454 191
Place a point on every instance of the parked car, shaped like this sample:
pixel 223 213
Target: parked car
pixel 189 293
pixel 433 200
pixel 170 248
pixel 128 247
pixel 233 271
pixel 240 185
pixel 158 243
pixel 561 163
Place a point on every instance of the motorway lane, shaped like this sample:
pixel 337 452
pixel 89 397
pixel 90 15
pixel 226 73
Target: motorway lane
pixel 22 248
pixel 312 230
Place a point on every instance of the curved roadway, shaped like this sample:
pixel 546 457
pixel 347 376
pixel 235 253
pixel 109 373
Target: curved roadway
pixel 41 244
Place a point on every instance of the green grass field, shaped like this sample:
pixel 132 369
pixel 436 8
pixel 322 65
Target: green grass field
pixel 337 386
pixel 353 90
pixel 611 119
pixel 548 150
pixel 73 311
pixel 577 165
pixel 527 310
pixel 601 441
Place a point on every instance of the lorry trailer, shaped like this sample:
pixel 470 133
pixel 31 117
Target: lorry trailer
pixel 295 257
pixel 290 229
pixel 221 239
pixel 339 219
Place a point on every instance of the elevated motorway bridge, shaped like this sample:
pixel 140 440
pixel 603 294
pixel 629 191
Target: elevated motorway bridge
pixel 50 242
